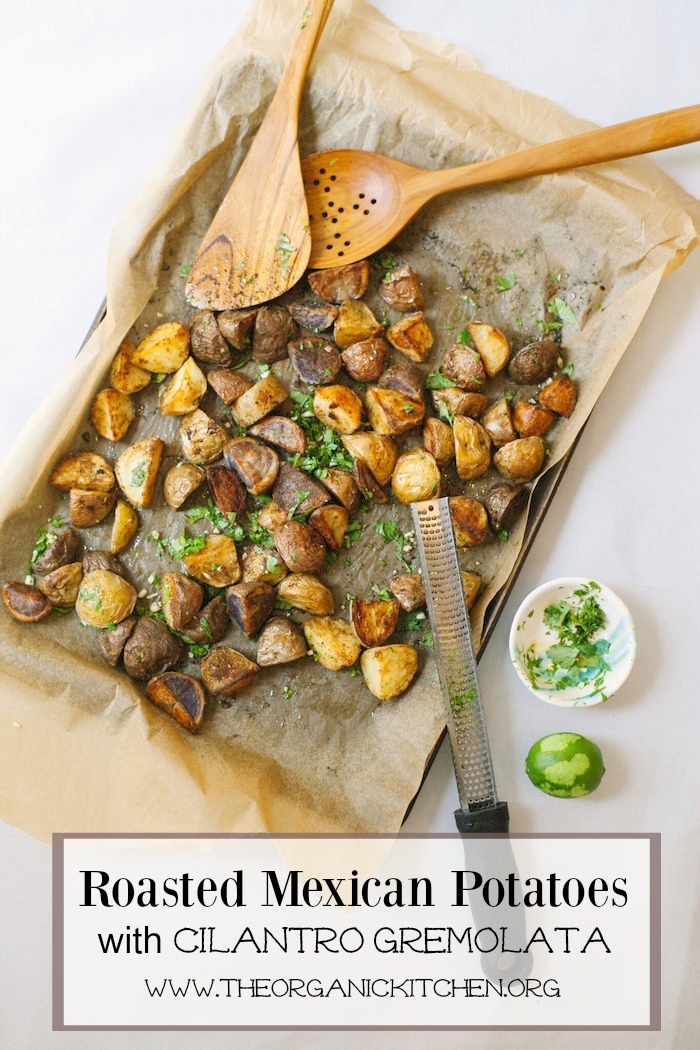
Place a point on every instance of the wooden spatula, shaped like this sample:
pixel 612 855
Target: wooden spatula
pixel 258 244
pixel 359 201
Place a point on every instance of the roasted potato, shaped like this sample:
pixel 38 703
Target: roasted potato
pixel 471 585
pixel 280 642
pixel 300 547
pixel 262 564
pixel 181 599
pixel 250 604
pixel 439 441
pixel 180 482
pixel 259 401
pixel 559 396
pixel 226 489
pixel 256 464
pixel 339 283
pixel 498 422
pixel 62 549
pixel 225 671
pixel 137 469
pixel 184 390
pixel 389 669
pixel 24 602
pixel 112 413
pixel 216 564
pixel 331 522
pixel 314 315
pixel 369 487
pixel 314 359
pixel 236 326
pixel 469 521
pixel 83 470
pixel 534 362
pixel 390 412
pixel 274 328
pixel 181 696
pixel 504 502
pixel 207 342
pixel 375 451
pixel 88 508
pixel 210 623
pixel 416 476
pixel 150 649
pixel 104 598
pixel 492 346
pixel 400 289
pixel 114 638
pixel 271 516
pixel 364 361
pixel 124 527
pixel 355 322
pixel 333 641
pixel 520 460
pixel 407 379
pixel 341 484
pixel 463 365
pixel 201 437
pixel 124 375
pixel 282 432
pixel 459 402
pixel 411 336
pixel 228 384
pixel 164 349
pixel 408 589
pixel 374 622
pixel 338 408
pixel 296 492
pixel 532 420
pixel 472 448
pixel 98 560
pixel 305 592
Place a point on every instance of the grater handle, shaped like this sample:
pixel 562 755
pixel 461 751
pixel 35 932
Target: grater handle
pixel 493 819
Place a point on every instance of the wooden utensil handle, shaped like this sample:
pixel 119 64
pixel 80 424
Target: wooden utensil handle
pixel 645 135
pixel 312 19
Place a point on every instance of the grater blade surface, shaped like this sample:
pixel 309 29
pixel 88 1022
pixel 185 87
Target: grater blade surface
pixel 455 656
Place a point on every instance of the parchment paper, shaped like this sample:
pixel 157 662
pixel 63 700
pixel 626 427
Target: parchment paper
pixel 81 749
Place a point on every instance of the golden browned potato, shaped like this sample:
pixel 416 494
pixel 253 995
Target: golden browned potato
pixel 469 521
pixel 24 602
pixel 497 420
pixel 181 598
pixel 86 508
pixel 124 375
pixel 389 670
pixel 262 564
pixel 369 487
pixel 126 522
pixel 137 469
pixel 256 464
pixel 374 622
pixel 504 501
pixel 390 412
pixel 280 642
pixel 184 390
pixel 237 326
pixel 226 489
pixel 104 598
pixel 83 470
pixel 472 448
pixel 313 315
pixel 492 345
pixel 416 476
pixel 400 289
pixel 532 420
pixel 331 522
pixel 406 378
pixel 274 328
pixel 150 649
pixel 201 437
pixel 559 395
pixel 439 440
pixel 355 322
pixel 179 695
pixel 375 451
pixel 216 564
pixel 61 586
pixel 300 547
pixel 305 592
pixel 271 516
pixel 296 492
pixel 408 589
pixel 458 402
pixel 534 362
pixel 225 671
pixel 250 604
pixel 520 460
pixel 282 432
pixel 314 359
pixel 207 342
pixel 112 414
pixel 463 365
pixel 338 407
pixel 471 585
pixel 180 482
pixel 259 401
pixel 228 384
pixel 411 336
pixel 339 283
pixel 341 483
pixel 333 641
pixel 164 349
pixel 364 361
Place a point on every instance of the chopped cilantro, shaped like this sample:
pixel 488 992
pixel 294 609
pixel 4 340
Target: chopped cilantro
pixel 561 311
pixel 438 381
pixel 324 448
pixel 185 271
pixel 383 594
pixel 504 284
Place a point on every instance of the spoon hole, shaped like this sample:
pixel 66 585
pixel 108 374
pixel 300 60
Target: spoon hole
pixel 329 247
pixel 324 214
pixel 362 196
pixel 330 204
pixel 373 201
pixel 337 236
pixel 322 171
pixel 340 211
pixel 356 206
pixel 341 253
pixel 366 211
pixel 334 219
pixel 346 243
pixel 326 189
pixel 317 182
pixel 333 178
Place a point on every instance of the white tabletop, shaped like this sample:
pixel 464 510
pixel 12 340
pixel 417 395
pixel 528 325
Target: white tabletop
pixel 91 94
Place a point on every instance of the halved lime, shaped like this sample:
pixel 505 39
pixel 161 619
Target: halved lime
pixel 565 765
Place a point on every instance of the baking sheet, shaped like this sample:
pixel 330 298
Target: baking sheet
pixel 325 758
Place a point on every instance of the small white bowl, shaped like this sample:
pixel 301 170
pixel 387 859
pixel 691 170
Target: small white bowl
pixel 529 633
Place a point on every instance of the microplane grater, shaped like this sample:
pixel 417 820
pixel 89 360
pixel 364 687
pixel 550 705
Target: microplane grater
pixel 456 662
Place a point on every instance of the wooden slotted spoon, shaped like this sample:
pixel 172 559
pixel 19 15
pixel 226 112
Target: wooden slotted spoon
pixel 258 244
pixel 359 201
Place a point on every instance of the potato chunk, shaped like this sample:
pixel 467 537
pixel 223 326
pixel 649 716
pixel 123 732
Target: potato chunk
pixel 463 365
pixel 112 413
pixel 498 421
pixel 339 283
pixel 355 322
pixel 124 375
pixel 61 586
pixel 180 482
pixel 237 326
pixel 226 489
pixel 216 564
pixel 504 502
pixel 416 476
pixel 389 669
pixel 439 441
pixel 314 359
pixel 341 483
pixel 282 432
pixel 259 401
pixel 364 361
pixel 559 395
pixel 300 547
pixel 104 598
pixel 207 342
pixel 469 521
pixel 280 642
pixel 472 448
pixel 391 412
pixel 305 592
pixel 400 289
pixel 531 420
pixel 88 508
pixel 184 390
pixel 313 315
pixel 228 384
pixel 411 336
pixel 458 402
pixel 179 695
pixel 164 349
pixel 126 522
pixel 274 328
pixel 374 451
pixel 83 470
pixel 254 463
pixel 331 522
pixel 534 362
pixel 137 469
pixel 492 345
pixel 250 604
pixel 471 585
pixel 225 671
pixel 333 641
pixel 520 460
pixel 150 649
pixel 24 602
pixel 182 599
pixel 374 622
pixel 201 437
pixel 408 589
pixel 338 408
pixel 296 492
